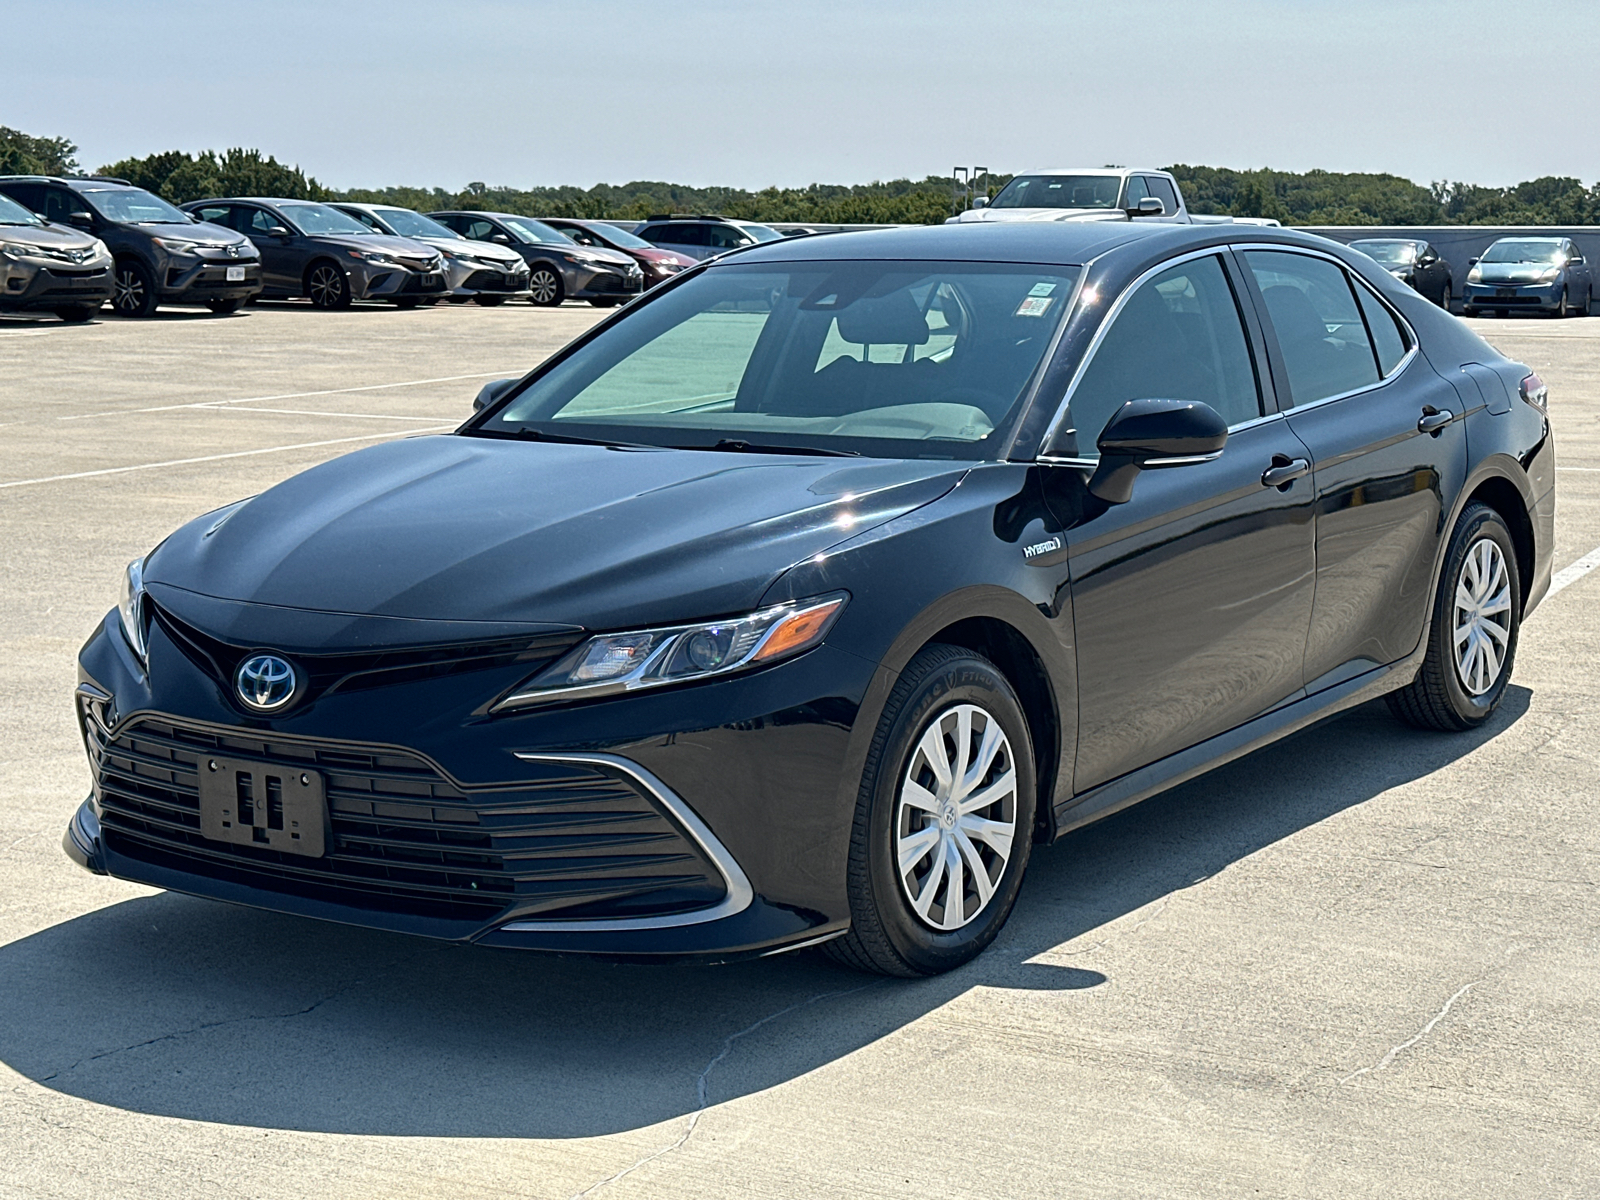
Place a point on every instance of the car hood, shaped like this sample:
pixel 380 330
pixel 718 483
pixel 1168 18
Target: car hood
pixel 57 237
pixel 599 253
pixel 1041 214
pixel 466 529
pixel 203 232
pixel 484 250
pixel 389 244
pixel 1512 272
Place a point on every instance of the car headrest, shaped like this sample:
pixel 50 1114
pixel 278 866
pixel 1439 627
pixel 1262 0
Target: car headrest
pixel 892 320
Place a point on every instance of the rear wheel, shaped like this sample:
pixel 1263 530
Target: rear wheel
pixel 545 287
pixel 327 286
pixel 134 293
pixel 605 301
pixel 1564 309
pixel 407 301
pixel 489 301
pixel 1446 295
pixel 77 314
pixel 224 306
pixel 944 819
pixel 1472 642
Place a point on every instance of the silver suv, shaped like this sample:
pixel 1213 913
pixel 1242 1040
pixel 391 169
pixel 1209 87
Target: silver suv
pixel 50 268
pixel 702 236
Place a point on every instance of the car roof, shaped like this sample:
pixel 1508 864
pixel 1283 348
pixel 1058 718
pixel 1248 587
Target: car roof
pixel 1107 171
pixel 281 201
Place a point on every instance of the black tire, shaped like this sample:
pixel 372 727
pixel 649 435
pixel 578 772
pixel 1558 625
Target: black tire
pixel 407 301
pixel 1502 313
pixel 490 301
pixel 224 306
pixel 1446 295
pixel 327 285
pixel 1469 311
pixel 886 935
pixel 545 286
pixel 1439 698
pixel 135 294
pixel 1564 309
pixel 77 314
pixel 605 301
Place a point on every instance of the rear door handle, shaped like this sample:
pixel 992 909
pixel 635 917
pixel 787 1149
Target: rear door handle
pixel 1433 420
pixel 1284 471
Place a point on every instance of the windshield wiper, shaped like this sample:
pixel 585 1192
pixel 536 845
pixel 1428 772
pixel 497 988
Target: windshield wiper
pixel 738 446
pixel 529 433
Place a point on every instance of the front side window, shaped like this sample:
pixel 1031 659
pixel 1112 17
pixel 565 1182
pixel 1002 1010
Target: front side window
pixel 60 204
pixel 1179 337
pixel 680 235
pixel 1059 191
pixel 262 222
pixel 892 359
pixel 1161 188
pixel 133 206
pixel 1321 335
pixel 1136 192
pixel 215 214
pixel 724 237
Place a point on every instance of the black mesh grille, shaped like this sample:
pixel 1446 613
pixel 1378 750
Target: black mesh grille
pixel 571 842
pixel 494 281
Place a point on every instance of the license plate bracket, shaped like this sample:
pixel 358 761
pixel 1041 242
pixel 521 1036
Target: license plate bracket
pixel 235 275
pixel 272 806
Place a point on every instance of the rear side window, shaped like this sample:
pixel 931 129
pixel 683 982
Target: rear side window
pixel 256 220
pixel 216 214
pixel 1321 333
pixel 456 223
pixel 678 235
pixel 1179 337
pixel 1389 341
pixel 30 195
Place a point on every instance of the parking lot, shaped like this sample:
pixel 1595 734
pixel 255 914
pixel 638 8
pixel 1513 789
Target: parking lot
pixel 1364 961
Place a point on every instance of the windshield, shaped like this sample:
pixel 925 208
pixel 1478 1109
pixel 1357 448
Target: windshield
pixel 761 233
pixel 320 218
pixel 135 206
pixel 1524 250
pixel 533 231
pixel 892 359
pixel 1059 191
pixel 1396 254
pixel 411 224
pixel 611 236
pixel 12 213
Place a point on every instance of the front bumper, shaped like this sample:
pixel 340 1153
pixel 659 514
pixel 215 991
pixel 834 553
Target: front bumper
pixel 703 821
pixel 43 286
pixel 1513 295
pixel 596 283
pixel 200 281
pixel 466 280
pixel 380 281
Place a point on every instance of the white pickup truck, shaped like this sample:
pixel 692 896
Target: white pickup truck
pixel 1086 194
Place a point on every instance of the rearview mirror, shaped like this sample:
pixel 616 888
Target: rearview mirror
pixel 1146 434
pixel 490 392
pixel 1149 207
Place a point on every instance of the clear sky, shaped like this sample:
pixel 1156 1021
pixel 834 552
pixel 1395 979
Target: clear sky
pixel 754 93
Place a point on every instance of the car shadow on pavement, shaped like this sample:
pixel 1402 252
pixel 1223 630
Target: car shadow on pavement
pixel 188 1008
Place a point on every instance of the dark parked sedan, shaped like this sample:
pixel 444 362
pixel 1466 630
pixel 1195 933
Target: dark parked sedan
pixel 558 268
pixel 799 600
pixel 1414 263
pixel 1546 274
pixel 316 251
pixel 657 263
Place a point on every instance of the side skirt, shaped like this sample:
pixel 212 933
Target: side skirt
pixel 1118 794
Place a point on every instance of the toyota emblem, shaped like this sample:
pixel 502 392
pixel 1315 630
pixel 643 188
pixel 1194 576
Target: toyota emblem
pixel 265 682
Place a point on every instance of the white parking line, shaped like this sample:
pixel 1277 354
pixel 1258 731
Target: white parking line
pixel 1571 574
pixel 310 412
pixel 371 387
pixel 182 462
pixel 1578 468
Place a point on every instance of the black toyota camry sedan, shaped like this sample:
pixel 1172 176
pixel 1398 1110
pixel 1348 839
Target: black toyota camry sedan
pixel 800 600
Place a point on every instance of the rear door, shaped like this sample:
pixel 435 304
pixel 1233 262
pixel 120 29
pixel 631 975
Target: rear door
pixel 1389 451
pixel 1191 601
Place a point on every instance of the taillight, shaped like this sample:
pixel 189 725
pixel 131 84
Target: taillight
pixel 1535 392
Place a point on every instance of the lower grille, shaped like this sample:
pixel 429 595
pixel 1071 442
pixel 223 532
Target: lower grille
pixel 570 842
pixel 1507 301
pixel 615 283
pixel 494 281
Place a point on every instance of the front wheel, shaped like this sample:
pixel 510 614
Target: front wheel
pixel 407 301
pixel 944 819
pixel 327 286
pixel 1472 642
pixel 1564 309
pixel 1446 295
pixel 77 314
pixel 605 301
pixel 545 287
pixel 134 293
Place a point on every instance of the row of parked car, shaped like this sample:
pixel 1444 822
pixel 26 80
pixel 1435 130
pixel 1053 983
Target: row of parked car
pixel 1548 274
pixel 69 245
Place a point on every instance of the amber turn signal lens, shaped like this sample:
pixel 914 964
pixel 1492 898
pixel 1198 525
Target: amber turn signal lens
pixel 798 630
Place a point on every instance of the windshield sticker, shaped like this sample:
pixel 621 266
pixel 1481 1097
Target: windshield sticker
pixel 1035 306
pixel 1042 289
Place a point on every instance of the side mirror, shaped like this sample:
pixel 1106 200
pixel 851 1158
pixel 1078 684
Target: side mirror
pixel 1146 434
pixel 1472 262
pixel 1149 207
pixel 490 392
pixel 980 202
pixel 81 219
pixel 279 231
pixel 500 239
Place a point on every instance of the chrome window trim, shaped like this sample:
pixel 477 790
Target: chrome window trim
pixel 1109 320
pixel 739 895
pixel 1411 332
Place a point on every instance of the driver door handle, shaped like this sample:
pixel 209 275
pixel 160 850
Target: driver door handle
pixel 1433 420
pixel 1284 471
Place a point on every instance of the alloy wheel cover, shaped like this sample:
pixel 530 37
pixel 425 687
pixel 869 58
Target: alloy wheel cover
pixel 1481 631
pixel 955 819
pixel 129 290
pixel 326 285
pixel 543 286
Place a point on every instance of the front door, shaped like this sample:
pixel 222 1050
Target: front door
pixel 1389 450
pixel 281 260
pixel 1191 601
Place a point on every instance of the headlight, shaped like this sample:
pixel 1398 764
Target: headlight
pixel 1475 275
pixel 625 662
pixel 131 607
pixel 667 268
pixel 28 250
pixel 1549 274
pixel 373 256
pixel 174 246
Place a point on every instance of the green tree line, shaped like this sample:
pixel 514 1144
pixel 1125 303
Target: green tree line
pixel 1295 198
